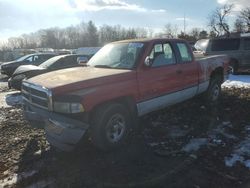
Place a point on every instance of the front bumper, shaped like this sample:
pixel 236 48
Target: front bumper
pixel 61 131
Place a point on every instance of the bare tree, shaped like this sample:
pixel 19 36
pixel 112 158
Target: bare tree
pixel 195 33
pixel 113 33
pixel 16 42
pixel 212 34
pixel 218 20
pixel 92 35
pixel 141 33
pixel 213 25
pixel 170 31
pixel 203 34
pixel 245 18
pixel 72 37
pixel 150 32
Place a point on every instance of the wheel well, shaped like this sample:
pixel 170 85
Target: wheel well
pixel 127 101
pixel 234 61
pixel 218 72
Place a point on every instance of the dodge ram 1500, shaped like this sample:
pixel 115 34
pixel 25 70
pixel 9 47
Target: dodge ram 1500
pixel 124 80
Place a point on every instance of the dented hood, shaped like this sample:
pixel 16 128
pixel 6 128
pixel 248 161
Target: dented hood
pixel 80 77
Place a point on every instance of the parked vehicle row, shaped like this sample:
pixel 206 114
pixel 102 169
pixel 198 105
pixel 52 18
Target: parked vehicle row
pixel 38 63
pixel 9 68
pixel 52 64
pixel 122 81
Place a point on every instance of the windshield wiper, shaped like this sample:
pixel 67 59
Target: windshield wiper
pixel 102 66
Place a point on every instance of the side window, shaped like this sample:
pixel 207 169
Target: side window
pixel 44 57
pixel 58 64
pixel 65 62
pixel 247 44
pixel 225 44
pixel 184 52
pixel 30 59
pixel 162 54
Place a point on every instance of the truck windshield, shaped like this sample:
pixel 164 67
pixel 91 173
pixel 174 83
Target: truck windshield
pixel 117 55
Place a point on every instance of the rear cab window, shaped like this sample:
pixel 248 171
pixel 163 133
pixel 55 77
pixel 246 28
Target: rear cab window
pixel 185 53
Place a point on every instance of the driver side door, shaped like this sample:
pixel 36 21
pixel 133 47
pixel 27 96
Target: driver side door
pixel 159 84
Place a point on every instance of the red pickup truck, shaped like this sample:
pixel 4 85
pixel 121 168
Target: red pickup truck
pixel 124 80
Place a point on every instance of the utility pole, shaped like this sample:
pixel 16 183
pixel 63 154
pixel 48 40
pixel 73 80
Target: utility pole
pixel 184 20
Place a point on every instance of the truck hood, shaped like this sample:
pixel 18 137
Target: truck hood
pixel 72 79
pixel 26 68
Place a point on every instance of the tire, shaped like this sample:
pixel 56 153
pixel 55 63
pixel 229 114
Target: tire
pixel 111 126
pixel 234 67
pixel 213 92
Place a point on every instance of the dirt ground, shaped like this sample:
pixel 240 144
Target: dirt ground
pixel 188 145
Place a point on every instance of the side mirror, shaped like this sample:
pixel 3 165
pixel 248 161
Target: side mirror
pixel 148 61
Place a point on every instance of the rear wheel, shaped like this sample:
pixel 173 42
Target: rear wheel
pixel 111 126
pixel 214 90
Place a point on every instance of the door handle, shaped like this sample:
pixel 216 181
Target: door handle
pixel 179 71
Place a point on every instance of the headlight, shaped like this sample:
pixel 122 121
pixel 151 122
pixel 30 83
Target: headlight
pixel 64 107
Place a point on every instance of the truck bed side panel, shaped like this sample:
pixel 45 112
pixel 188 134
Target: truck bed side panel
pixel 207 66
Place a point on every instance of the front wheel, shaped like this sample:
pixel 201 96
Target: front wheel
pixel 213 92
pixel 111 126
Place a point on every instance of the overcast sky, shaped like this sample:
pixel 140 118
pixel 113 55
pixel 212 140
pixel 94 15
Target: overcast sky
pixel 25 16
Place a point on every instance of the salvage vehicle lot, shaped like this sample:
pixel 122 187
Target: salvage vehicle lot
pixel 187 145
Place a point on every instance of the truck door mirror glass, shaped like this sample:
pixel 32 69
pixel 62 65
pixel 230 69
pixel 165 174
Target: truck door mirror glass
pixel 148 61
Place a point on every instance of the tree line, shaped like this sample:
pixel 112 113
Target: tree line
pixel 81 35
pixel 89 35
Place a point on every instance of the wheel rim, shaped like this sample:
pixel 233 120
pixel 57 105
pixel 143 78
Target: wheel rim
pixel 115 128
pixel 215 92
pixel 231 69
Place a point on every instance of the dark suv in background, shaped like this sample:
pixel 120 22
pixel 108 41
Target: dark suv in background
pixel 8 68
pixel 237 49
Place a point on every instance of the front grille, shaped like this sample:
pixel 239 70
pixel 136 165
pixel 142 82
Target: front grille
pixel 37 95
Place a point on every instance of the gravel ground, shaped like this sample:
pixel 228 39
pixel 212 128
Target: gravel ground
pixel 187 145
